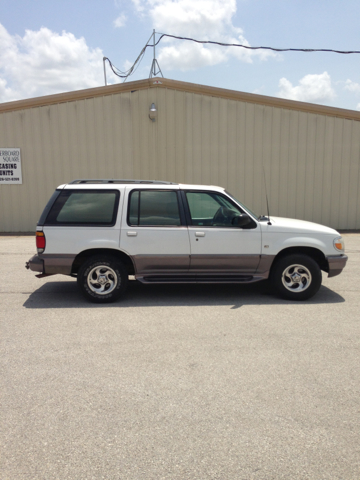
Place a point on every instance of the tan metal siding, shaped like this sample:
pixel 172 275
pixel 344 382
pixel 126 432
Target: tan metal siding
pixel 311 161
pixel 352 205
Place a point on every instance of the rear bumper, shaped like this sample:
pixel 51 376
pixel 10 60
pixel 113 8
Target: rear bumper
pixel 336 264
pixel 35 264
pixel 51 264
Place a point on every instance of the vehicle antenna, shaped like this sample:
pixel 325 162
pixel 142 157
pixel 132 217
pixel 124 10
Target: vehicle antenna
pixel 267 200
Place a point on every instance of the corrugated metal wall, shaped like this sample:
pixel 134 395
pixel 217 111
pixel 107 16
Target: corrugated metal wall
pixel 311 162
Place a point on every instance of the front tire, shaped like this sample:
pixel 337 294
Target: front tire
pixel 296 277
pixel 102 279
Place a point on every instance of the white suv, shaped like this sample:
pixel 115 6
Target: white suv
pixel 102 231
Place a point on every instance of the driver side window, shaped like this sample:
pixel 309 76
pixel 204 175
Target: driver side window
pixel 211 209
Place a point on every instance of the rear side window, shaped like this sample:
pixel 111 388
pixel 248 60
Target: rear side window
pixel 84 207
pixel 153 207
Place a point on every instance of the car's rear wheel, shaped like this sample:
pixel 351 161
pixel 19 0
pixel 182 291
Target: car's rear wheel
pixel 102 279
pixel 296 277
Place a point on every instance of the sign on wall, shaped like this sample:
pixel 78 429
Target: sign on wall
pixel 10 166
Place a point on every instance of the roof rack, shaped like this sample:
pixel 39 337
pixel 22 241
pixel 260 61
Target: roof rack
pixel 120 181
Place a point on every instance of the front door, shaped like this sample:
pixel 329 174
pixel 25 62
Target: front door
pixel 217 246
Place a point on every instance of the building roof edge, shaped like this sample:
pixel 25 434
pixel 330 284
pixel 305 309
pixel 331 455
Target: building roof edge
pixel 180 86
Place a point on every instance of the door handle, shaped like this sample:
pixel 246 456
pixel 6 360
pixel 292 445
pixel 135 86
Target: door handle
pixel 199 234
pixel 131 234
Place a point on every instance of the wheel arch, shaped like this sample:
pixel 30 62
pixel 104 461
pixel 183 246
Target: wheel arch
pixel 86 254
pixel 312 252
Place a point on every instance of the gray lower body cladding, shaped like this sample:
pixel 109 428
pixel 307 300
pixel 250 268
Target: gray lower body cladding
pixel 49 264
pixel 195 263
pixel 336 264
pixel 204 269
pixel 184 269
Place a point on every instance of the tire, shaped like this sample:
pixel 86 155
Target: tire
pixel 296 277
pixel 102 279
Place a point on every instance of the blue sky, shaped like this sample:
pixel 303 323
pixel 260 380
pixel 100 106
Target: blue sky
pixel 53 46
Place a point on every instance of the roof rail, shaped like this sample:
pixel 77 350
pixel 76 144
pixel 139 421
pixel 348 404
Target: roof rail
pixel 120 181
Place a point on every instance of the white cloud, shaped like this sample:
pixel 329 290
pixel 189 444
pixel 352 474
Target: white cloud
pixel 44 62
pixel 202 20
pixel 311 88
pixel 186 17
pixel 138 5
pixel 185 56
pixel 120 21
pixel 352 86
pixel 5 93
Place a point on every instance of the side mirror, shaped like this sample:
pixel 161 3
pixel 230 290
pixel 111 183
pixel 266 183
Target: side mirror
pixel 241 220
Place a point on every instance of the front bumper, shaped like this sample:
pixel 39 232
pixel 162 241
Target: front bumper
pixel 336 264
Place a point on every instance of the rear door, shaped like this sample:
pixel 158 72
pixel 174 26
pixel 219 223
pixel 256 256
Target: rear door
pixel 154 231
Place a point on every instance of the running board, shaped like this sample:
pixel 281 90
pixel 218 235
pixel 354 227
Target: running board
pixel 198 278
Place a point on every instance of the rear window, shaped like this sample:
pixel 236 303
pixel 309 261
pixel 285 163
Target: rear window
pixel 84 207
pixel 48 206
pixel 154 208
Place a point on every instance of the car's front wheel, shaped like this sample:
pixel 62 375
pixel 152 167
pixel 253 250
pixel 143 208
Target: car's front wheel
pixel 296 277
pixel 102 279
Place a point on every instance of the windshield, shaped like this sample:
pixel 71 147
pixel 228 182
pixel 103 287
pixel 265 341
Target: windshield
pixel 242 205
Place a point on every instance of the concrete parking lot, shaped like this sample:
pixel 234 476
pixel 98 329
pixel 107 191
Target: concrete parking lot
pixel 178 382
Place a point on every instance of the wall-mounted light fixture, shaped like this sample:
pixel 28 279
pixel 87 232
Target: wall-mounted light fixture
pixel 153 112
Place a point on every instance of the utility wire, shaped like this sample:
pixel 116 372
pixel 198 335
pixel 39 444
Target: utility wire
pixel 132 69
pixel 307 50
pixel 135 65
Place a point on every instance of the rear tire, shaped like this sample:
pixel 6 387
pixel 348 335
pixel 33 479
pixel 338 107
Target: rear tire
pixel 296 277
pixel 102 279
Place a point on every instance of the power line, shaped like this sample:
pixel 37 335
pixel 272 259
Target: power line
pixel 132 69
pixel 137 62
pixel 306 50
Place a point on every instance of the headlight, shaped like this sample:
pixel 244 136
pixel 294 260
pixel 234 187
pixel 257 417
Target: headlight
pixel 339 244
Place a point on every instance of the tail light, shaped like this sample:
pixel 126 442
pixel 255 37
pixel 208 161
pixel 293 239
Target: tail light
pixel 40 242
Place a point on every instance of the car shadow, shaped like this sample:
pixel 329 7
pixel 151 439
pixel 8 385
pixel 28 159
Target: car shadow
pixel 65 294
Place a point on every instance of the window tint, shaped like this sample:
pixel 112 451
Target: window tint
pixel 153 207
pixel 211 209
pixel 48 207
pixel 84 208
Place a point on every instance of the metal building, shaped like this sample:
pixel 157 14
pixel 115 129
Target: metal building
pixel 309 154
